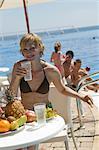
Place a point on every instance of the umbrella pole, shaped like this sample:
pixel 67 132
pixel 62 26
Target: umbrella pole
pixel 26 16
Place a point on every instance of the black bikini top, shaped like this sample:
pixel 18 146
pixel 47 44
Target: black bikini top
pixel 43 88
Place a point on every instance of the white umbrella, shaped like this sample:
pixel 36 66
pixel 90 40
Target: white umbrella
pixel 7 4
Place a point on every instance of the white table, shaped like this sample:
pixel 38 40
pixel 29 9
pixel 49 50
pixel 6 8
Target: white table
pixel 28 136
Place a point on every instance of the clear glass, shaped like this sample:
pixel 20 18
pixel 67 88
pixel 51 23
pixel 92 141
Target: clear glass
pixel 27 66
pixel 40 110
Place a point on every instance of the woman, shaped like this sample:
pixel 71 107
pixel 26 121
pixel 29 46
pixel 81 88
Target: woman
pixel 43 73
pixel 57 57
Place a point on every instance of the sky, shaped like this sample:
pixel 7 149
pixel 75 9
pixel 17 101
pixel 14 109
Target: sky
pixel 55 14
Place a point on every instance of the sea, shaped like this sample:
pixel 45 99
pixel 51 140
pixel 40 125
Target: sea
pixel 84 42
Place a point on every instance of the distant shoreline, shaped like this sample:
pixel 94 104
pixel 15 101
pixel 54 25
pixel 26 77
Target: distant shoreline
pixel 52 31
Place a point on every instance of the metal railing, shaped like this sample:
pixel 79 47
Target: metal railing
pixel 81 85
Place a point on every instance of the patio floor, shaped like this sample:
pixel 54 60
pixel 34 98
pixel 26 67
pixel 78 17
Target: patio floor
pixel 87 138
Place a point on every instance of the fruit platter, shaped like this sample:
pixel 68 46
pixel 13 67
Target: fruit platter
pixel 10 124
pixel 13 123
pixel 14 116
pixel 12 132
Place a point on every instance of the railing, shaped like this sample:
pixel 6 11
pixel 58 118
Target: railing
pixel 86 77
pixel 82 84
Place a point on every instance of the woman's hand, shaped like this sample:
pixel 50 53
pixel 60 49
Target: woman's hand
pixel 19 72
pixel 88 99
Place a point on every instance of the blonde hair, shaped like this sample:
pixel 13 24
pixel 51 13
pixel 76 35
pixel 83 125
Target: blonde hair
pixel 56 46
pixel 32 37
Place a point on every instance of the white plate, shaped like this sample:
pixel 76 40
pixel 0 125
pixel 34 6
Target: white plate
pixel 33 126
pixel 12 132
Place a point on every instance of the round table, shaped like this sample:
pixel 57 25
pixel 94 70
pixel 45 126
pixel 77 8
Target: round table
pixel 28 136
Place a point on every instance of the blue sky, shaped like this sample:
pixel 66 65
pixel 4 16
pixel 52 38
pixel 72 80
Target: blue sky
pixel 55 14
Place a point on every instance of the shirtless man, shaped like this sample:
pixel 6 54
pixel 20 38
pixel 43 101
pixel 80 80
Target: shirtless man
pixel 84 72
pixel 67 65
pixel 77 73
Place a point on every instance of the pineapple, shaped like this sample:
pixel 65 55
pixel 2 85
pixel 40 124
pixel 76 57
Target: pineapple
pixel 14 106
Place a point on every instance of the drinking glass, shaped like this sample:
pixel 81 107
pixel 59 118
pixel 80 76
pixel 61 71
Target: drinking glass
pixel 40 110
pixel 27 66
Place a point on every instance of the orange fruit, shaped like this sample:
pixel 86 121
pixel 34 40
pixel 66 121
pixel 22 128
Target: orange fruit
pixel 4 125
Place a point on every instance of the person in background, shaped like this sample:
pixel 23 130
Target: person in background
pixel 57 57
pixel 75 76
pixel 85 71
pixel 43 73
pixel 77 73
pixel 68 64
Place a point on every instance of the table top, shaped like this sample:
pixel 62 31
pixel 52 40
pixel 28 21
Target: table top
pixel 31 136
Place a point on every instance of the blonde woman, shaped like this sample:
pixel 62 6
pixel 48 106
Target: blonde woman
pixel 58 58
pixel 43 73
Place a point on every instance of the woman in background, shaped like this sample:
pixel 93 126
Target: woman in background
pixel 58 58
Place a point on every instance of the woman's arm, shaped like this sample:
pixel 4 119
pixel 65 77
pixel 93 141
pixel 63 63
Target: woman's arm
pixel 56 79
pixel 17 73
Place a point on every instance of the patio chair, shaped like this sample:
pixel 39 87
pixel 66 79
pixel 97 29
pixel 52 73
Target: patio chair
pixel 2 92
pixel 9 77
pixel 81 86
pixel 4 82
pixel 61 104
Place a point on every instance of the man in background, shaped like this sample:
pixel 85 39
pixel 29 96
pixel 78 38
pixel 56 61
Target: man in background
pixel 68 64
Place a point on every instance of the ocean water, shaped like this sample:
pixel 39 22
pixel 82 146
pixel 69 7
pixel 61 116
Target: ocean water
pixel 83 42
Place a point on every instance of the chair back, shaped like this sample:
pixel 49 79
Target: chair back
pixel 61 103
pixel 3 102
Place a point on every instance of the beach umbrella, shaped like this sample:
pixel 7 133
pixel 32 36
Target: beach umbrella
pixel 8 4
